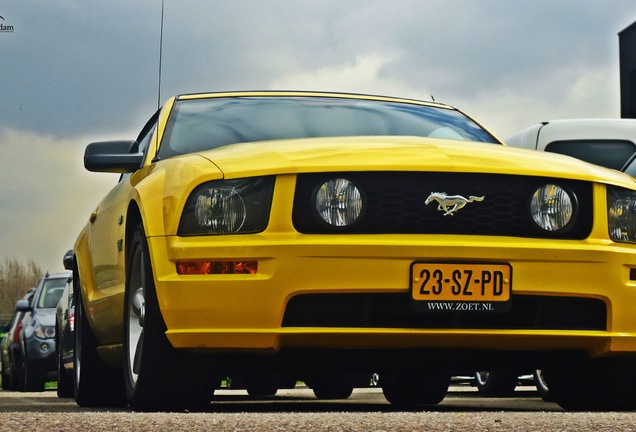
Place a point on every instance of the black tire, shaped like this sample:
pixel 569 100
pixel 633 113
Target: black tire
pixel 287 382
pixel 542 385
pixel 5 378
pixel 411 390
pixel 65 387
pixel 496 383
pixel 14 375
pixel 32 378
pixel 332 390
pixel 331 386
pixel 95 383
pixel 234 383
pixel 594 385
pixel 264 385
pixel 157 377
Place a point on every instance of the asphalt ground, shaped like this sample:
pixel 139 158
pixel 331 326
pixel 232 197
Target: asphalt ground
pixel 299 410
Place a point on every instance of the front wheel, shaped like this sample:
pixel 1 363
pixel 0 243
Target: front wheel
pixel 594 384
pixel 156 376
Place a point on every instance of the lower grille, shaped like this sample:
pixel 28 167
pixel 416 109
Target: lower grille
pixel 394 311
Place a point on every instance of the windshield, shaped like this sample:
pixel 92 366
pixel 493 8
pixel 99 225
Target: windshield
pixel 203 124
pixel 51 293
pixel 608 153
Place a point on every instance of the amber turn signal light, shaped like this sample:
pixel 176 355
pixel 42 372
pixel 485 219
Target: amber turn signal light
pixel 216 267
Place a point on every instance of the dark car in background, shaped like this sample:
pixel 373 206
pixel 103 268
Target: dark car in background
pixel 37 338
pixel 10 347
pixel 65 335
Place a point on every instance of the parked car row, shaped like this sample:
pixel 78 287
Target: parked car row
pixel 29 351
pixel 10 348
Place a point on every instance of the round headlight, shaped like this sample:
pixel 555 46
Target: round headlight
pixel 552 208
pixel 338 202
pixel 220 210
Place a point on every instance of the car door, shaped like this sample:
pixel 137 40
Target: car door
pixel 106 239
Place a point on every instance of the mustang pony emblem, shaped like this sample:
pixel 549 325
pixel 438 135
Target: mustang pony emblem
pixel 449 204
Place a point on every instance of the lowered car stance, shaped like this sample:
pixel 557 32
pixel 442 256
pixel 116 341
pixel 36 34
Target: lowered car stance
pixel 327 237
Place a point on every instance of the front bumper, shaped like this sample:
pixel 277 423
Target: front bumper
pixel 41 355
pixel 245 313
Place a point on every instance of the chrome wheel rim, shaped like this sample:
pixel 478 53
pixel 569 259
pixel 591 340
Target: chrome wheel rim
pixel 482 377
pixel 136 315
pixel 77 355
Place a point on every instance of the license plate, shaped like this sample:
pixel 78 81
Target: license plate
pixel 462 286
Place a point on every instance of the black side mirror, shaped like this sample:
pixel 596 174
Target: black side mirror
pixel 113 156
pixel 23 306
pixel 68 260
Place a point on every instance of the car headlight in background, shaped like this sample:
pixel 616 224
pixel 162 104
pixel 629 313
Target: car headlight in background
pixel 552 208
pixel 621 214
pixel 228 207
pixel 338 202
pixel 44 332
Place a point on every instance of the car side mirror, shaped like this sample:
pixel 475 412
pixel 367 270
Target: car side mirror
pixel 68 260
pixel 113 156
pixel 23 306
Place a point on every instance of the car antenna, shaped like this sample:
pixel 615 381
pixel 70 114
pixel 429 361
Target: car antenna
pixel 160 58
pixel 159 83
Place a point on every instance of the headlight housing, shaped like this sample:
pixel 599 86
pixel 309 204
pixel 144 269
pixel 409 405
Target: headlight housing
pixel 621 214
pixel 338 202
pixel 228 207
pixel 553 208
pixel 44 332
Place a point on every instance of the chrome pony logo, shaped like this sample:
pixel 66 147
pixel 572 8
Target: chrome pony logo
pixel 449 204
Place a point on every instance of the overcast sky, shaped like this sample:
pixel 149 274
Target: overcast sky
pixel 73 72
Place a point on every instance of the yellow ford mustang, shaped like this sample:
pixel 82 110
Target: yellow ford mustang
pixel 325 237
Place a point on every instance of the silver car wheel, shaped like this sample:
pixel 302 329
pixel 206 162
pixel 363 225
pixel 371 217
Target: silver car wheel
pixel 136 315
pixel 77 355
pixel 482 377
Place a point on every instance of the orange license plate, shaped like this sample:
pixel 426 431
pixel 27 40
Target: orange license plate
pixel 484 286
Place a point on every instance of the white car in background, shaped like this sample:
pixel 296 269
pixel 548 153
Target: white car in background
pixel 606 142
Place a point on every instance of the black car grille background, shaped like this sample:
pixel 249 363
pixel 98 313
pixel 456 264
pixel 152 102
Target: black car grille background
pixel 395 203
pixel 394 310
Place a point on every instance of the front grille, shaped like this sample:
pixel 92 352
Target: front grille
pixel 394 311
pixel 395 204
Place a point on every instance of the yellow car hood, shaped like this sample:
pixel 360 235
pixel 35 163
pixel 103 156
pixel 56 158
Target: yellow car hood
pixel 389 153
